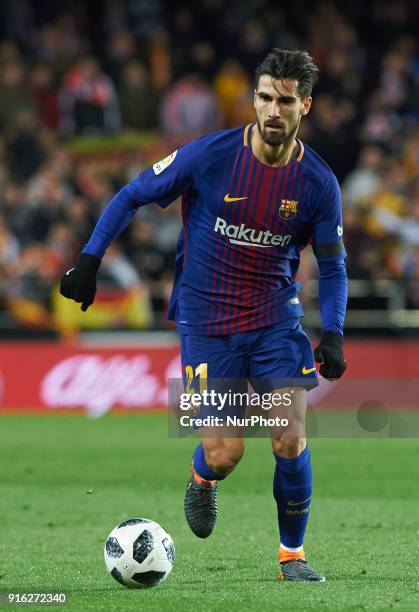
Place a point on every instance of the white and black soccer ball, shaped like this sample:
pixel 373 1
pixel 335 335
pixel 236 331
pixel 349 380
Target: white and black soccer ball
pixel 139 553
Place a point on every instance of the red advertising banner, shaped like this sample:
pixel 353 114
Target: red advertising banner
pixel 52 375
pixel 45 375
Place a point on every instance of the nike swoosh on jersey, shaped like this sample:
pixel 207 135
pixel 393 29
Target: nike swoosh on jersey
pixel 227 198
pixel 293 503
pixel 68 271
pixel 308 370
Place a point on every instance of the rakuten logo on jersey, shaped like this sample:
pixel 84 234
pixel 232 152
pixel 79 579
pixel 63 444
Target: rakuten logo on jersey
pixel 240 234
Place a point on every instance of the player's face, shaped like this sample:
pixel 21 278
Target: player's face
pixel 279 109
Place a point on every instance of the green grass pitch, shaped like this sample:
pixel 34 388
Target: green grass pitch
pixel 67 481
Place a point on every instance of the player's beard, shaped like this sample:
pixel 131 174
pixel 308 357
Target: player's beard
pixel 275 139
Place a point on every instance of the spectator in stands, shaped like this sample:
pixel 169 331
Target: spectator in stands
pixel 44 95
pixel 339 78
pixel 190 109
pixel 14 94
pixel 58 45
pixel 24 147
pixel 16 211
pixel 381 121
pixel 139 102
pixel 61 245
pixel 203 59
pixel 254 42
pixel 394 79
pixel 118 271
pixel 331 133
pixel 234 90
pixel 29 286
pixel 185 32
pixel 121 49
pixel 142 250
pixel 9 245
pixel 9 51
pixel 411 154
pixel 160 60
pixel 79 216
pixel 88 101
pixel 362 182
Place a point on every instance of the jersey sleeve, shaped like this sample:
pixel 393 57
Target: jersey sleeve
pixel 167 179
pixel 330 253
pixel 162 183
pixel 327 224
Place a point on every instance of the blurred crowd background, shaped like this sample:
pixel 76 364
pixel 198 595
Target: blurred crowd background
pixel 92 92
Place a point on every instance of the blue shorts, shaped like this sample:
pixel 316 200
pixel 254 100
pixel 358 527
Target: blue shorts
pixel 269 358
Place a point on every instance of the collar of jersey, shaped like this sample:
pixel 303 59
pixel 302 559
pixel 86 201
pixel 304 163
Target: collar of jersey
pixel 247 139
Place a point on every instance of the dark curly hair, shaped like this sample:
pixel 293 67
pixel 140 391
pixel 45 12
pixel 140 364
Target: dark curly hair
pixel 295 64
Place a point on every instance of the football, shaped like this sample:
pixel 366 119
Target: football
pixel 139 553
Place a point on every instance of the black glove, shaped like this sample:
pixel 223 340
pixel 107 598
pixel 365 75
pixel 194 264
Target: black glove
pixel 330 354
pixel 79 283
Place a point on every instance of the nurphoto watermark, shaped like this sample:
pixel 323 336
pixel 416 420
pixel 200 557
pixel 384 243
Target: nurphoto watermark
pixel 345 408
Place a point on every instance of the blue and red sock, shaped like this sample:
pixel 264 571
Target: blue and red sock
pixel 292 491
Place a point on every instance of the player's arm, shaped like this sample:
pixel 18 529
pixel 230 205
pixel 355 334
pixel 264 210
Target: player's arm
pixel 330 253
pixel 162 183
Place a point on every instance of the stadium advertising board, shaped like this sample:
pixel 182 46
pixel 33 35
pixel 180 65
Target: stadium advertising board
pixel 50 376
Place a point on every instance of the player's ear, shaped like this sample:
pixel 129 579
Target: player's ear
pixel 254 98
pixel 306 105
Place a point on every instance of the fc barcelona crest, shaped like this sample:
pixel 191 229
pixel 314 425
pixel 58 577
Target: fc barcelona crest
pixel 288 209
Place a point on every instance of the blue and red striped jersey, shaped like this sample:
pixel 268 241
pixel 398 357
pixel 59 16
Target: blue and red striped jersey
pixel 244 226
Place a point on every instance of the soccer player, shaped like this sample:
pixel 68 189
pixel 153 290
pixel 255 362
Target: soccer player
pixel 252 199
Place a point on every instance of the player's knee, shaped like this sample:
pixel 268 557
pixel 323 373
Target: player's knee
pixel 223 461
pixel 288 446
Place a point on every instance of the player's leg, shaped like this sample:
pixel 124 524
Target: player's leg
pixel 214 458
pixel 292 487
pixel 218 454
pixel 284 357
pixel 221 446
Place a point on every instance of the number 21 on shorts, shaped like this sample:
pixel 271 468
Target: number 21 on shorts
pixel 200 372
